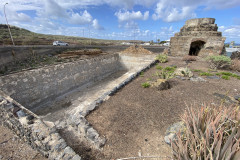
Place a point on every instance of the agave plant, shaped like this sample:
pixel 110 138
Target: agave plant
pixel 213 133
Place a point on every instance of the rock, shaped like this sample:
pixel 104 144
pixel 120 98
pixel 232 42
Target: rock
pixel 1 157
pixel 161 84
pixel 76 157
pixel 30 117
pixel 237 98
pixel 235 55
pixel 197 79
pixel 183 72
pixel 21 113
pixel 213 77
pixel 224 97
pixel 171 133
pixel 69 151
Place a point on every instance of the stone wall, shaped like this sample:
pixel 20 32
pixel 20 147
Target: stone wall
pixel 10 54
pixel 198 30
pixel 30 128
pixel 35 87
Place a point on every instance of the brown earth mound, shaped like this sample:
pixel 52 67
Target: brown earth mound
pixel 135 49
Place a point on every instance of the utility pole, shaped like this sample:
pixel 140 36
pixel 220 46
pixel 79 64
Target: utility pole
pixel 8 24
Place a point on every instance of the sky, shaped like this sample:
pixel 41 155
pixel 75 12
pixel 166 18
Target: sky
pixel 120 19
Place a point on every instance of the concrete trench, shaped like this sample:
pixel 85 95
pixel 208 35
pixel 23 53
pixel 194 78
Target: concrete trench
pixel 64 94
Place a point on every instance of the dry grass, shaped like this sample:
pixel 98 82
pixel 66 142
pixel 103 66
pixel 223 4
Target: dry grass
pixel 235 65
pixel 189 58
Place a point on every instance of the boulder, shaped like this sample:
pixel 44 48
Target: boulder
pixel 235 55
pixel 161 84
pixel 173 130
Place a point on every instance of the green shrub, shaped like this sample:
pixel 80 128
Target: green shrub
pixel 206 74
pixel 159 67
pixel 226 73
pixel 145 85
pixel 169 69
pixel 162 58
pixel 210 134
pixel 225 77
pixel 141 74
pixel 217 62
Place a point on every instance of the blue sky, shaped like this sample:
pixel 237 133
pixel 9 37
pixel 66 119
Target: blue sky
pixel 120 19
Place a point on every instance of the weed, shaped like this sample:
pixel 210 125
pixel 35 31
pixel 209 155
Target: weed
pixel 145 85
pixel 159 67
pixel 225 77
pixel 162 58
pixel 142 74
pixel 226 73
pixel 149 79
pixel 169 69
pixel 206 74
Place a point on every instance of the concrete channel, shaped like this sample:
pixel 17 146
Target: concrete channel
pixel 61 95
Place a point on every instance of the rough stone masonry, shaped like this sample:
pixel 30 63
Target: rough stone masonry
pixel 198 37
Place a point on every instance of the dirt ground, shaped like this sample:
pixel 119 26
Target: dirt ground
pixel 12 148
pixel 135 119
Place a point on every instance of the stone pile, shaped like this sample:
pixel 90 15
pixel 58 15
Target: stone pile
pixel 40 135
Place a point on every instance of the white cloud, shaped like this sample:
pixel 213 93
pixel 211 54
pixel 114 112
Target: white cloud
pixel 129 16
pixel 171 12
pixel 53 9
pixel 81 18
pixel 231 32
pixel 96 25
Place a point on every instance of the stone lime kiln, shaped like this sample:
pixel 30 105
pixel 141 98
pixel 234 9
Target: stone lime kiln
pixel 198 37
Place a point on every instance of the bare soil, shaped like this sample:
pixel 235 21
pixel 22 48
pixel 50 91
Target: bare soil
pixel 135 119
pixel 12 148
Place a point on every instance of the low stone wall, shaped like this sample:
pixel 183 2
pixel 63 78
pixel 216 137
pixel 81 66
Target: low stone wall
pixel 35 87
pixel 38 134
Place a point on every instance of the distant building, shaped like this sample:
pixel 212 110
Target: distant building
pixel 167 43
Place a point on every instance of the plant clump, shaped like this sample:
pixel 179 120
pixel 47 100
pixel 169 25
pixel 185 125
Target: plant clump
pixel 183 72
pixel 162 58
pixel 206 74
pixel 218 62
pixel 146 85
pixel 212 133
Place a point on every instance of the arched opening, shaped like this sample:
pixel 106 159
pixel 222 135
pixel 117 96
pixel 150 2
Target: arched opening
pixel 195 48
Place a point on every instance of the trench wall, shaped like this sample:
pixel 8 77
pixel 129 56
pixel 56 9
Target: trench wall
pixel 135 62
pixel 39 135
pixel 9 54
pixel 35 87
